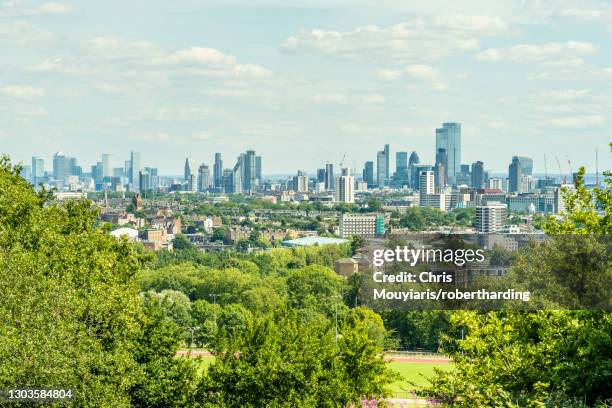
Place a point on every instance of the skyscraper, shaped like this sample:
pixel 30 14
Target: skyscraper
pixel 368 173
pixel 329 176
pixel 345 187
pixel 135 167
pixel 382 166
pixel 426 182
pixel 478 178
pixel 300 182
pixel 250 182
pixel 144 181
pixel 258 170
pixel 413 177
pixel 60 166
pixel 440 168
pixel 204 181
pixel 38 170
pixel 228 181
pixel 526 165
pixel 515 175
pixel 238 175
pixel 107 170
pixel 320 175
pixel 189 169
pixel 401 165
pixel 218 171
pixel 448 137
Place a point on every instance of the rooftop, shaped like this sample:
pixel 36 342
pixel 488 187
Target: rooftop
pixel 314 240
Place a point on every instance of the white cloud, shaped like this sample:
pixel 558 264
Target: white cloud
pixel 343 99
pixel 562 95
pixel 538 53
pixel 18 8
pixel 24 34
pixel 416 72
pixel 54 8
pixel 420 38
pixel 578 122
pixel 22 92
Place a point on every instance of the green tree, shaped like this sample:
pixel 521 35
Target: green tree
pixel 69 306
pixel 181 242
pixel 282 360
pixel 543 358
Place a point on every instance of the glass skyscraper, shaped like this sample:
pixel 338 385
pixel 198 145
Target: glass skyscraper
pixel 448 137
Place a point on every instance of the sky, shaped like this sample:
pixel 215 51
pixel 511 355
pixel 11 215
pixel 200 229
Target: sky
pixel 306 82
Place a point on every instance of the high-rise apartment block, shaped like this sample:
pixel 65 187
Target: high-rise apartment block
pixel 490 217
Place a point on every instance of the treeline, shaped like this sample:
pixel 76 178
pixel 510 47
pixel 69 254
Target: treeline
pixel 74 316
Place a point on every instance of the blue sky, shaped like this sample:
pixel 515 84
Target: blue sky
pixel 303 82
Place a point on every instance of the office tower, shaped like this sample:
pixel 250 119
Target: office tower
pixel 107 171
pixel 26 172
pixel 490 217
pixel 320 175
pixel 495 184
pixel 238 175
pixel 96 173
pixel 526 165
pixel 249 172
pixel 382 166
pixel 300 182
pixel 38 170
pixel 478 174
pixel 413 177
pixel 203 178
pixel 192 184
pixel 144 181
pixel 189 169
pixel 329 176
pixel 73 168
pixel 401 165
pixel 134 170
pixel 426 182
pixel 218 171
pixel 448 137
pixel 228 181
pixel 258 170
pixel 440 168
pixel 368 173
pixel 515 175
pixel 60 166
pixel 345 187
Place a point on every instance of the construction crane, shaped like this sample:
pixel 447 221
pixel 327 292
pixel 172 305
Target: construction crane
pixel 569 164
pixel 561 171
pixel 342 161
pixel 545 169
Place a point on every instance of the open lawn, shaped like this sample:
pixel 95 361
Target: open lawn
pixel 415 372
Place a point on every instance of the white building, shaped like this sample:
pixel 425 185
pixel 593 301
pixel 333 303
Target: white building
pixel 364 225
pixel 426 182
pixel 345 187
pixel 300 184
pixel 490 217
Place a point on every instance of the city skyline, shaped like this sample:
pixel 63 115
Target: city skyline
pixel 307 80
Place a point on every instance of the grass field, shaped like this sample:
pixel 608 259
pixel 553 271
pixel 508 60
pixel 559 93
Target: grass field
pixel 414 372
pixel 409 371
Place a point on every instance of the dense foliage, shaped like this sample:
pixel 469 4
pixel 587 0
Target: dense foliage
pixel 544 358
pixel 70 310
